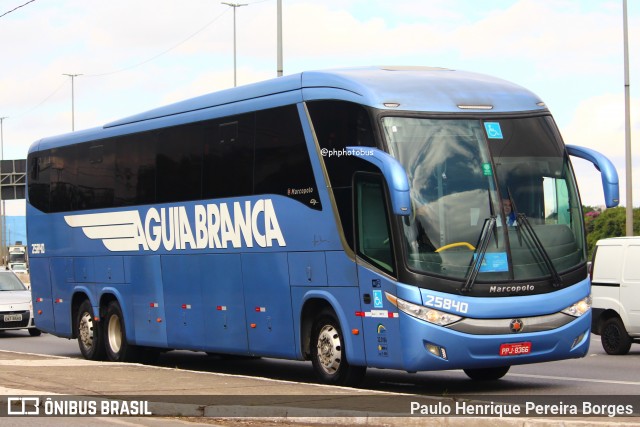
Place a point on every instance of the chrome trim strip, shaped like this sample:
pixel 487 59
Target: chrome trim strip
pixel 501 326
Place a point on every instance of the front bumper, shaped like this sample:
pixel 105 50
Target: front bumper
pixel 465 350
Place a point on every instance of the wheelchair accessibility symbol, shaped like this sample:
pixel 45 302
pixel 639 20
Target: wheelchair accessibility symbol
pixel 377 299
pixel 493 130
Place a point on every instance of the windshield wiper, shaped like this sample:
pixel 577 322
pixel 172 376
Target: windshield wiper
pixel 522 220
pixel 526 226
pixel 485 236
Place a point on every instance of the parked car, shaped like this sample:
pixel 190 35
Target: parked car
pixel 16 307
pixel 615 280
pixel 19 267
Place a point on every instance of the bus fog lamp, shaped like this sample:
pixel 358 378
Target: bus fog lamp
pixel 579 308
pixel 578 340
pixel 436 350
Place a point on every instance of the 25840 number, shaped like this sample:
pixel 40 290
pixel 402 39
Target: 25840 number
pixel 446 304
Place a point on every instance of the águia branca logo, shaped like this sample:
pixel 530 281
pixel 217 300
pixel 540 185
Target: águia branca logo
pixel 243 224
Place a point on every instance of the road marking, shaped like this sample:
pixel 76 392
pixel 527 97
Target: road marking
pixel 49 362
pixel 583 380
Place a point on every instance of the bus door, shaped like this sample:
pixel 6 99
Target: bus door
pixel 375 267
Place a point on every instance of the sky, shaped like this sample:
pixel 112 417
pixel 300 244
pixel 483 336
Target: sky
pixel 132 56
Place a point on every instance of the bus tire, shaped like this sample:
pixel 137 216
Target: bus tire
pixel 115 336
pixel 487 374
pixel 89 333
pixel 35 332
pixel 328 354
pixel 614 337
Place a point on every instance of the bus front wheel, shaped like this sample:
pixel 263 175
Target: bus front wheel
pixel 487 374
pixel 328 354
pixel 90 336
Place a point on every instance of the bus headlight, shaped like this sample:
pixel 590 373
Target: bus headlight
pixel 579 308
pixel 425 313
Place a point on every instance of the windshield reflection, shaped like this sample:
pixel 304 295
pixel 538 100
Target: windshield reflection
pixel 452 190
pixel 456 186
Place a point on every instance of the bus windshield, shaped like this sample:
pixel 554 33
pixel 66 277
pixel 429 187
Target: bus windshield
pixel 467 175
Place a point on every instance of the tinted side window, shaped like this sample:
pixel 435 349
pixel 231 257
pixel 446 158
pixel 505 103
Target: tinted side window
pixel 96 163
pixel 282 163
pixel 253 153
pixel 228 157
pixel 39 165
pixel 374 241
pixel 338 125
pixel 64 179
pixel 179 164
pixel 135 169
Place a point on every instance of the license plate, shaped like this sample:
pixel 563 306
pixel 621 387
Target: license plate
pixel 515 349
pixel 13 317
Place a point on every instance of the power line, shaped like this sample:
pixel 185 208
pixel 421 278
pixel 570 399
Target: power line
pixel 30 110
pixel 41 102
pixel 16 8
pixel 161 53
pixel 169 49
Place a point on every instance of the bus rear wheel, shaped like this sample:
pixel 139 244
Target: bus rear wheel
pixel 118 349
pixel 328 354
pixel 90 337
pixel 487 374
pixel 115 340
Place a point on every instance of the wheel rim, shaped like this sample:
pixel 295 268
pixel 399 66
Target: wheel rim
pixel 85 330
pixel 114 332
pixel 329 349
pixel 612 337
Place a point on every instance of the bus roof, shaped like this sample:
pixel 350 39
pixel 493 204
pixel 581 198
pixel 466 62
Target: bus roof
pixel 427 89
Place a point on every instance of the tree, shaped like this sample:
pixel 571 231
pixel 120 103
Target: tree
pixel 608 223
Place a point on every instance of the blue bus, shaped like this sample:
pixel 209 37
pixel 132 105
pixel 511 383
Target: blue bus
pixel 408 218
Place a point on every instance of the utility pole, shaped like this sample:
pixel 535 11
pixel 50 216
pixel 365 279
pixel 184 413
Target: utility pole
pixel 73 76
pixel 2 210
pixel 627 124
pixel 279 37
pixel 234 6
pixel 2 137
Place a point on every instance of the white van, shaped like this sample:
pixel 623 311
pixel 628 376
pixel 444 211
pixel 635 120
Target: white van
pixel 615 281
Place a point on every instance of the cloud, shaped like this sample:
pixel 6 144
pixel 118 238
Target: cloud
pixel 599 123
pixel 537 31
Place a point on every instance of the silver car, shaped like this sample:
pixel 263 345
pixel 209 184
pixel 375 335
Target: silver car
pixel 16 307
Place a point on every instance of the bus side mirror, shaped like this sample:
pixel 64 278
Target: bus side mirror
pixel 393 173
pixel 607 170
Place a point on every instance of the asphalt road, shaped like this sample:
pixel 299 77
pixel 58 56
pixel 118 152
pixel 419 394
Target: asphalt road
pixel 597 374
